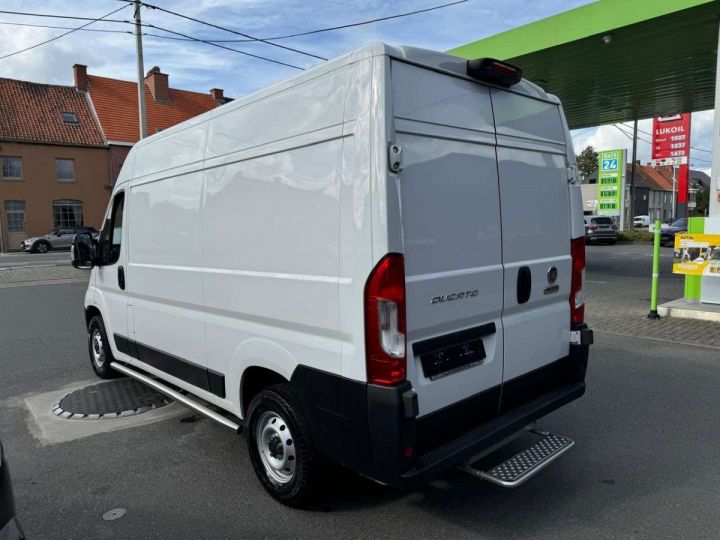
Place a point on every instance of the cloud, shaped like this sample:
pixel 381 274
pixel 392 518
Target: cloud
pixel 197 66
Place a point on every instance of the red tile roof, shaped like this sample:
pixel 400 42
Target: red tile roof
pixel 661 176
pixel 116 106
pixel 30 112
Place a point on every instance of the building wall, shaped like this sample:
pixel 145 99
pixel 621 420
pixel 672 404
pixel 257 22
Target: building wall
pixel 660 206
pixel 39 187
pixel 116 159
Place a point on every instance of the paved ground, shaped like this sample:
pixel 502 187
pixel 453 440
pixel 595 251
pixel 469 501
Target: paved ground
pixel 618 289
pixel 20 258
pixel 646 463
pixel 31 268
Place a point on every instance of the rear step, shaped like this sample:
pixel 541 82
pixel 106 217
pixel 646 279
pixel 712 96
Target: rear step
pixel 521 467
pixel 177 396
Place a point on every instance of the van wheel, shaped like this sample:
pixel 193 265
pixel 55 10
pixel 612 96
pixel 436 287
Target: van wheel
pixel 99 349
pixel 281 447
pixel 41 247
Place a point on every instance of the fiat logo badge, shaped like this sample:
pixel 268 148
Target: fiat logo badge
pixel 552 275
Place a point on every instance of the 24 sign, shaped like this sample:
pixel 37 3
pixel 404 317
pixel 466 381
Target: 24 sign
pixel 610 164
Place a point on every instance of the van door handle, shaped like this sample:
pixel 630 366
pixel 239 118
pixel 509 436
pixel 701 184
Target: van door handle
pixel 524 284
pixel 121 278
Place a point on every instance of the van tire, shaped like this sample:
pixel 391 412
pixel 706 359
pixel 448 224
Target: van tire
pixel 99 350
pixel 275 412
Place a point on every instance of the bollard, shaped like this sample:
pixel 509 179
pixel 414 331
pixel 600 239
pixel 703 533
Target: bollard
pixel 655 272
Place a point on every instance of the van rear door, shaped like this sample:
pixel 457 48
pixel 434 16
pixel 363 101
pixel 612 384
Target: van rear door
pixel 450 207
pixel 535 210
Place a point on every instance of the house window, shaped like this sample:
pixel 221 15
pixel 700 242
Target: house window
pixel 65 170
pixel 67 213
pixel 69 117
pixel 11 168
pixel 15 213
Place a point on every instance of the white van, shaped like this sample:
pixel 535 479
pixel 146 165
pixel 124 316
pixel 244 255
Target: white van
pixel 378 262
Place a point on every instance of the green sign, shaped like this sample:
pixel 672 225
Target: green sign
pixel 611 166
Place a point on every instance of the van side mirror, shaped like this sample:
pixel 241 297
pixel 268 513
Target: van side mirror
pixel 82 251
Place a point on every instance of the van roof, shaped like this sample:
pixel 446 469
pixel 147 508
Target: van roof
pixel 425 57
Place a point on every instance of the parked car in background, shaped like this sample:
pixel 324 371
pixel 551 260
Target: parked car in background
pixel 58 238
pixel 641 222
pixel 667 234
pixel 600 229
pixel 9 526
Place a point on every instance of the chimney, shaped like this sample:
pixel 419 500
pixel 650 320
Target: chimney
pixel 217 94
pixel 158 84
pixel 80 74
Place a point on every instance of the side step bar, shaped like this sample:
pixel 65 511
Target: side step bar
pixel 177 396
pixel 521 467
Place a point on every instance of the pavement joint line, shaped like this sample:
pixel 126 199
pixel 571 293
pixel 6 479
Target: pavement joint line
pixel 659 339
pixel 30 265
pixel 42 282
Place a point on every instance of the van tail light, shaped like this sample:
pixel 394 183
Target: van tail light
pixel 577 294
pixel 385 322
pixel 494 71
pixel 592 227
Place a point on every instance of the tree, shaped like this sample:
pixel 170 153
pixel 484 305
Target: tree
pixel 587 162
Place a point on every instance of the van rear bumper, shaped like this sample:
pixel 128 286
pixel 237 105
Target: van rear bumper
pixel 483 437
pixel 374 429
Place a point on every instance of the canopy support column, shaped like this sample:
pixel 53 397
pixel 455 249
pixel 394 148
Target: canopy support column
pixel 714 206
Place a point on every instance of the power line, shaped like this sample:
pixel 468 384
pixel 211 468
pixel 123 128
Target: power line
pixel 52 16
pixel 8 23
pixel 582 132
pixel 63 34
pixel 361 23
pixel 272 38
pixel 212 25
pixel 650 143
pixel 647 133
pixel 225 47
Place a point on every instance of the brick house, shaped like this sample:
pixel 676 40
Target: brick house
pixel 53 161
pixel 116 105
pixel 61 147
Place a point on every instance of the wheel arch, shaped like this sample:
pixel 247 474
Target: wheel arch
pixel 90 312
pixel 254 380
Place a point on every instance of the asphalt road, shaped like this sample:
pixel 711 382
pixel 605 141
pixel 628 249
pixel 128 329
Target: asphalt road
pixel 646 461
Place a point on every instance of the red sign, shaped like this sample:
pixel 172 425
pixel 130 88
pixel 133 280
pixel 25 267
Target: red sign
pixel 671 137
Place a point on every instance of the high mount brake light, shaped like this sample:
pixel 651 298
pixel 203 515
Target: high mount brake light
pixel 494 71
pixel 577 295
pixel 385 322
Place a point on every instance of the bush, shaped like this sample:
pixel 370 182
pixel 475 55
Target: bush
pixel 635 236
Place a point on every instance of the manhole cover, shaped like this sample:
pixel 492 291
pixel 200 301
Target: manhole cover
pixel 112 399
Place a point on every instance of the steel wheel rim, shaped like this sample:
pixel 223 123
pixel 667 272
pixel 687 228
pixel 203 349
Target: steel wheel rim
pixel 276 447
pixel 96 347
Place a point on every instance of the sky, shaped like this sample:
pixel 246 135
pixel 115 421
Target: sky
pixel 198 66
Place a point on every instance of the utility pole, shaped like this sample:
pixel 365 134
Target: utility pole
pixel 140 71
pixel 631 220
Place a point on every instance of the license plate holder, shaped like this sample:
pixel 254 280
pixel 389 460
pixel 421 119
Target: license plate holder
pixel 448 360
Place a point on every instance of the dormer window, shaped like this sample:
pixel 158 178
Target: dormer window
pixel 69 117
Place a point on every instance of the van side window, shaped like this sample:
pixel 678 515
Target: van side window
pixel 111 235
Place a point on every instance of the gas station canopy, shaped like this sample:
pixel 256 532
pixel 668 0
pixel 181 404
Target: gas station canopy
pixel 617 60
